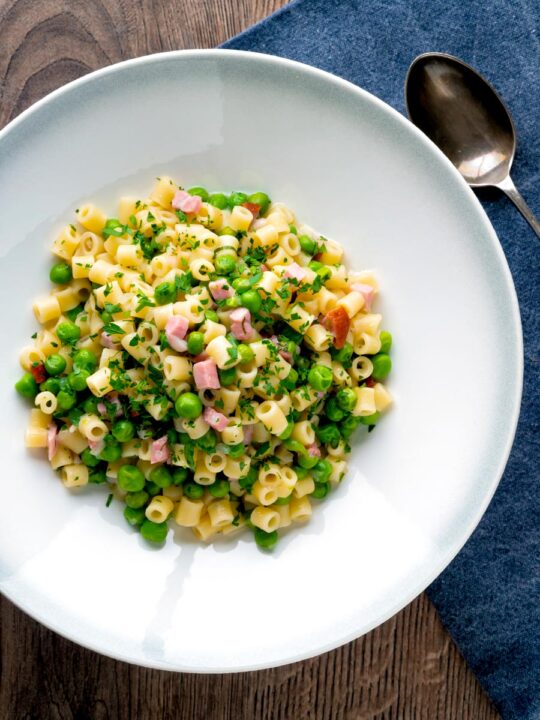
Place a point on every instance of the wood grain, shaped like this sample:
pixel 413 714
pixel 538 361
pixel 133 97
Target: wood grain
pixel 408 669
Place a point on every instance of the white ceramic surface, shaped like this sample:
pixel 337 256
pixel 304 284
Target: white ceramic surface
pixel 358 172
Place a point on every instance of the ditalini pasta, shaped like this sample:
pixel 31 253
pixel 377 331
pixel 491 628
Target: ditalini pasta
pixel 206 357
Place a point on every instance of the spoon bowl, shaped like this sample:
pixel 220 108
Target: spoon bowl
pixel 465 117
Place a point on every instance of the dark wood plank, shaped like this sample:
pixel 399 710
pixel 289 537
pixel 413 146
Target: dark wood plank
pixel 408 669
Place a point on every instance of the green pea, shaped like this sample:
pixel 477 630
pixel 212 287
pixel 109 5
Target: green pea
pixel 106 317
pixel 266 540
pixel 195 343
pixel 152 489
pixel 137 499
pixel 227 376
pixel 251 300
pixel 90 405
pixel 60 273
pixel 66 400
pixel 161 477
pixel 89 459
pixel 322 471
pixel 290 381
pixel 97 477
pixel 307 461
pixel 381 366
pixel 320 377
pixel 333 411
pixel 348 426
pixel 248 480
pixel 27 386
pixel 322 271
pixel 130 478
pixel 283 500
pixel 180 475
pixel 225 264
pixel 200 191
pixel 301 472
pixel 236 451
pixel 321 490
pixel 293 229
pixel 295 446
pixel 219 200
pixel 193 491
pixel 286 434
pixel 55 364
pixel 232 302
pixel 241 285
pixel 346 399
pixel 51 385
pixel 261 199
pixel 68 332
pixel 154 532
pixel 123 430
pixel 370 419
pixel 77 379
pixel 386 341
pixel 227 231
pixel 165 293
pixel 237 198
pixel 211 315
pixel 307 245
pixel 245 353
pixel 328 434
pixel 188 405
pixel 85 360
pixel 134 516
pixel 219 489
pixel 112 450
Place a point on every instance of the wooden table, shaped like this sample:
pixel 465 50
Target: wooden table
pixel 408 668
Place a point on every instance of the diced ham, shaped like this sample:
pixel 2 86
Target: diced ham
pixel 338 323
pixel 52 432
pixel 202 356
pixel 205 375
pixel 286 355
pixel 215 419
pixel 367 291
pixel 220 289
pixel 186 203
pixel 295 271
pixel 39 373
pixel 96 446
pixel 106 340
pixel 159 451
pixel 241 324
pixel 248 434
pixel 175 332
pixel 314 450
pixel 111 398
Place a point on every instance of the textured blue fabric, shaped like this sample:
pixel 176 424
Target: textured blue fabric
pixel 489 597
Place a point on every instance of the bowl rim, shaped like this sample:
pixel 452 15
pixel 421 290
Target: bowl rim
pixel 517 381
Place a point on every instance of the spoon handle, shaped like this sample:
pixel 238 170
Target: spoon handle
pixel 508 187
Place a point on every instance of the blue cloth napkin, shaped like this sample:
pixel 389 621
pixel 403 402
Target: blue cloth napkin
pixel 489 597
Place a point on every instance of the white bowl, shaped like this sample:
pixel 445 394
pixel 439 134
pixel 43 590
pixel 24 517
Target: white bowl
pixel 359 172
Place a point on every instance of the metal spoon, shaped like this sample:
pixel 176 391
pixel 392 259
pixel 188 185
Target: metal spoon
pixel 460 111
